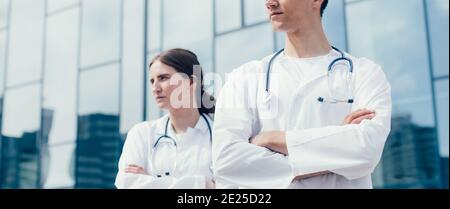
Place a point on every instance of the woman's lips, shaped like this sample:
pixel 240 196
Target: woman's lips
pixel 160 98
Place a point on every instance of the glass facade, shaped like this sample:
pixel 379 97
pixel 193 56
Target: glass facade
pixel 70 91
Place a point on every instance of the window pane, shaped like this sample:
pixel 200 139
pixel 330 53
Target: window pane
pixel 58 166
pixel 95 99
pixel 334 24
pixel 410 158
pixel 2 60
pixel 98 151
pixel 21 116
pixel 133 69
pixel 442 109
pixel 53 5
pixel 438 22
pixel 154 25
pixel 100 31
pixel 190 28
pixel 248 47
pixel 385 43
pixel 25 49
pixel 255 11
pixel 97 133
pixel 228 15
pixel 21 113
pixel 4 13
pixel 20 162
pixel 60 81
pixel 98 128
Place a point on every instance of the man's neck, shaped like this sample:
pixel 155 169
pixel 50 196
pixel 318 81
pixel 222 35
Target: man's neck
pixel 307 43
pixel 182 119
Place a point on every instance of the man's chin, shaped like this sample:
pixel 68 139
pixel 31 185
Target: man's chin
pixel 278 27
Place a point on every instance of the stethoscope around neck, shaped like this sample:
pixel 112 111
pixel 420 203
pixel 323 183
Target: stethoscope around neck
pixel 320 99
pixel 165 149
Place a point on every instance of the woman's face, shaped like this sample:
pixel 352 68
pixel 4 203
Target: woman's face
pixel 171 89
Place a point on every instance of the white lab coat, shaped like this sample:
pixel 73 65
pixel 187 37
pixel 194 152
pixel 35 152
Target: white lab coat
pixel 193 164
pixel 316 139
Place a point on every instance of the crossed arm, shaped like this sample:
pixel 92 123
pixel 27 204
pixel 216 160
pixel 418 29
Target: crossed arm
pixel 276 140
pixel 136 169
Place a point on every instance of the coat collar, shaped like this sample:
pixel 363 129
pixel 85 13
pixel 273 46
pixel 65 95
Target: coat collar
pixel 201 125
pixel 319 68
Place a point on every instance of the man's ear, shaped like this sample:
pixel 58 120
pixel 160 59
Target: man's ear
pixel 317 3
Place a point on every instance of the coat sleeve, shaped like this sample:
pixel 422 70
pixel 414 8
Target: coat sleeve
pixel 236 162
pixel 352 151
pixel 135 152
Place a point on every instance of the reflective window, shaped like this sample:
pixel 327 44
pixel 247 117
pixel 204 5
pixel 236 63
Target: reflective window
pixel 442 109
pixel 228 15
pixel 25 50
pixel 438 23
pixel 132 70
pixel 54 5
pixel 368 28
pixel 4 13
pixel 21 122
pixel 98 128
pixel 255 11
pixel 236 49
pixel 185 30
pixel 154 36
pixel 3 35
pixel 97 133
pixel 100 31
pixel 21 111
pixel 60 78
pixel 58 166
pixel 20 162
pixel 96 98
pixel 410 158
pixel 334 23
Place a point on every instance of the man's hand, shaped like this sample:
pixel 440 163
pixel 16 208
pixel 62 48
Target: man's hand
pixel 135 169
pixel 358 116
pixel 273 140
pixel 210 184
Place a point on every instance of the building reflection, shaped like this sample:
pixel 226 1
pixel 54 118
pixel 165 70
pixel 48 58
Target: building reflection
pixel 99 146
pixel 411 156
pixel 98 150
pixel 20 161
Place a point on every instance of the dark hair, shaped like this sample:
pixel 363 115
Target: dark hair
pixel 323 7
pixel 183 61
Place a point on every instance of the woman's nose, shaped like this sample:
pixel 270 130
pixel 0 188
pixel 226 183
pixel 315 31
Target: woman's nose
pixel 156 88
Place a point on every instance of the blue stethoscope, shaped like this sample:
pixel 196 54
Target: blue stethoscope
pixel 165 147
pixel 330 70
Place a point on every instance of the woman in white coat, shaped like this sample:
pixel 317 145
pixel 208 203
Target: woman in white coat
pixel 175 150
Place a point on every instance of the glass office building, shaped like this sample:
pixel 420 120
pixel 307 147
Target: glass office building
pixel 73 78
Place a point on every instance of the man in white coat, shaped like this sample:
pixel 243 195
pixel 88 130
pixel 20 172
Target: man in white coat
pixel 280 135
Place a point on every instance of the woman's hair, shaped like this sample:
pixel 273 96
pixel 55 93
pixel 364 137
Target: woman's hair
pixel 183 61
